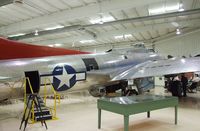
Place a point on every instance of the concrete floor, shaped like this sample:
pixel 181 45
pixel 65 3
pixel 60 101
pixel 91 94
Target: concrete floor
pixel 79 113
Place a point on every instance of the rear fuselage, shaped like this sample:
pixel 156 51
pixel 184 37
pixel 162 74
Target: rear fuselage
pixel 12 71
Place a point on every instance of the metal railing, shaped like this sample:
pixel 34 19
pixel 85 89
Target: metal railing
pixel 56 97
pixel 53 110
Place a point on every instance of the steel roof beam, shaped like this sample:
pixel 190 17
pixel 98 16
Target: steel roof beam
pixel 111 34
pixel 74 13
pixel 5 2
pixel 84 27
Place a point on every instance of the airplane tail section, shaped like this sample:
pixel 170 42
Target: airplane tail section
pixel 14 50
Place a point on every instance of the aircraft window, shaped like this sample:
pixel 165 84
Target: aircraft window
pixel 139 46
pixel 151 50
pixel 91 67
pixel 90 64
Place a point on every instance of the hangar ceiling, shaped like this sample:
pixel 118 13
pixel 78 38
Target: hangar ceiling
pixel 76 23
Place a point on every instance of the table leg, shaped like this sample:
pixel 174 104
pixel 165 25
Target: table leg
pixel 176 114
pixel 148 114
pixel 99 118
pixel 126 123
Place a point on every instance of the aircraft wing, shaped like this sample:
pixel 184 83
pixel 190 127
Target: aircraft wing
pixel 159 68
pixel 109 71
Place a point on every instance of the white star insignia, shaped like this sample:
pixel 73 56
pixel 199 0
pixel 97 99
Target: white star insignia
pixel 64 78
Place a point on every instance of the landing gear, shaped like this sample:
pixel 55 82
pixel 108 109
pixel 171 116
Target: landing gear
pixel 97 91
pixel 113 89
pixel 130 92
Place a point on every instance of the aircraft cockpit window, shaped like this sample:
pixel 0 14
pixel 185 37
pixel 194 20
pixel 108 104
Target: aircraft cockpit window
pixel 139 45
pixel 90 63
pixel 151 50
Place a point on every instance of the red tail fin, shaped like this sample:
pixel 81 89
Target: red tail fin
pixel 14 50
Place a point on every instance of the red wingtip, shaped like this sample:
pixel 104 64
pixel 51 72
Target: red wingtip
pixel 13 50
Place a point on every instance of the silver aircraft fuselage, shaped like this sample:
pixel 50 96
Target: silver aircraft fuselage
pixel 12 71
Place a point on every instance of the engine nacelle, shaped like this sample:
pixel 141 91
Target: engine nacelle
pixel 97 90
pixel 111 87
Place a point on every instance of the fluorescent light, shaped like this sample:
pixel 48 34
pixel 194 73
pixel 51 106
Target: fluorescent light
pixel 157 11
pixel 119 37
pixel 54 27
pixel 123 36
pixel 141 71
pixel 172 8
pixel 15 35
pixel 183 60
pixel 36 32
pixel 175 24
pixel 2 77
pixel 86 41
pixel 165 9
pixel 101 20
pixel 127 36
pixel 178 31
pixel 58 45
pixel 51 45
pixel 3 6
pixel 181 9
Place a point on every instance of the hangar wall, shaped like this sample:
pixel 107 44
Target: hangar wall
pixel 188 44
pixel 101 48
pixel 105 47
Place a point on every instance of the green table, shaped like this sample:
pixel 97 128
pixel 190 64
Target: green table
pixel 135 104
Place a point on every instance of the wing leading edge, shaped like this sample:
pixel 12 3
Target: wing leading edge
pixel 159 68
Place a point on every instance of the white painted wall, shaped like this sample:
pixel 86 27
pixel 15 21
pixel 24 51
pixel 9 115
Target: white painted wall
pixel 159 81
pixel 188 44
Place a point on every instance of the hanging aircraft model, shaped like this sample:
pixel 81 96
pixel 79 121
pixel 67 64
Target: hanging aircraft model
pixel 80 70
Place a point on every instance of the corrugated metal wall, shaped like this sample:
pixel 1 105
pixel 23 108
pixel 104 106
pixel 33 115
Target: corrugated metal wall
pixel 186 45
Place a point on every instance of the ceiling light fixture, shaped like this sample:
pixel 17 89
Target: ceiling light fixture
pixel 54 27
pixel 165 9
pixel 181 7
pixel 175 24
pixel 125 36
pixel 15 35
pixel 86 41
pixel 119 37
pixel 178 32
pixel 36 32
pixel 57 45
pixel 101 20
pixel 51 45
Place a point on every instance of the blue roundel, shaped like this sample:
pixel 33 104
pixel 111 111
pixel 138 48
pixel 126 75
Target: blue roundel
pixel 64 77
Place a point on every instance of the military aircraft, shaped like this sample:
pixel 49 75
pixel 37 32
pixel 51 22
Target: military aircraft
pixel 98 72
